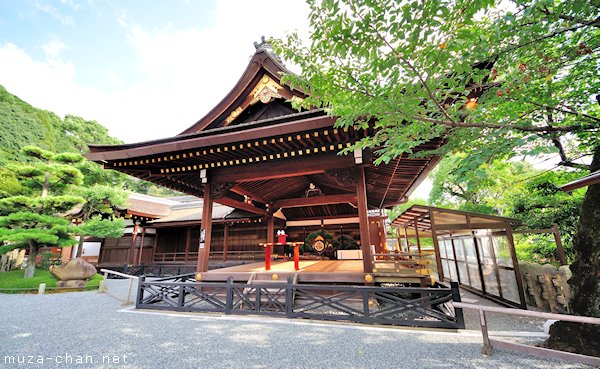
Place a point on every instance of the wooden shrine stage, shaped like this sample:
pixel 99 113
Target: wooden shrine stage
pixel 311 271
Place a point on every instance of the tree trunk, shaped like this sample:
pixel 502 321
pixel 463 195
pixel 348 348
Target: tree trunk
pixel 33 252
pixel 80 246
pixel 585 282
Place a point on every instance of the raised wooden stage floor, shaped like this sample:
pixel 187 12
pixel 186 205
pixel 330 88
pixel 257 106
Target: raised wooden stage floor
pixel 311 271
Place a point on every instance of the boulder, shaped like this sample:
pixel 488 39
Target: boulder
pixel 74 283
pixel 76 269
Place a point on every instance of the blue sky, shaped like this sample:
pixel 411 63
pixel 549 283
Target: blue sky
pixel 144 69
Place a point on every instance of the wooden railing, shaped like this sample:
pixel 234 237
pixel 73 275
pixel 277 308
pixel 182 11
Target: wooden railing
pixel 402 263
pixel 489 343
pixel 239 255
pixel 167 257
pixel 405 306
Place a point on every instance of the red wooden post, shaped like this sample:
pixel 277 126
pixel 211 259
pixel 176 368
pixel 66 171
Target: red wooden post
pixel 296 256
pixel 267 247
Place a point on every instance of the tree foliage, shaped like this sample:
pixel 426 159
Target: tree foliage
pixel 491 81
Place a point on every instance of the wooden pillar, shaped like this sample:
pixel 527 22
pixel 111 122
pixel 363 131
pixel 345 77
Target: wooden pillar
pixel 205 230
pixel 513 255
pixel 418 238
pixel 225 240
pixel 363 220
pixel 270 229
pixel 456 261
pixel 382 236
pixel 270 237
pixel 188 243
pixel 436 247
pixel 559 245
pixel 479 259
pixel 131 257
pixel 406 238
pixel 154 245
pixel 101 253
pixel 141 246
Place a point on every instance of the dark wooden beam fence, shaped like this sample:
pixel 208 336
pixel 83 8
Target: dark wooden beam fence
pixel 402 306
pixel 160 270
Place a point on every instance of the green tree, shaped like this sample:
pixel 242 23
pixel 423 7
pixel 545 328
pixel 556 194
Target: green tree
pixel 513 189
pixel 81 132
pixel 490 80
pixel 34 220
pixel 98 214
pixel 483 190
pixel 541 203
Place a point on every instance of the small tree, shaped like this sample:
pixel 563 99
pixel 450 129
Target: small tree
pixel 33 219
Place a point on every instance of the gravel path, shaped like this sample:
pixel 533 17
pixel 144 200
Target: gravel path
pixel 71 326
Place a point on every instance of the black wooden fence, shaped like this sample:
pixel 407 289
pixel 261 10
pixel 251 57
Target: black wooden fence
pixel 405 306
pixel 151 270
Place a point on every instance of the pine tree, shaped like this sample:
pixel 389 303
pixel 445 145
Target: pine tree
pixel 37 217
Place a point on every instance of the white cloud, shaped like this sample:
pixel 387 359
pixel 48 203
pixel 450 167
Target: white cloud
pixel 185 71
pixel 53 49
pixel 71 3
pixel 67 20
pixel 44 84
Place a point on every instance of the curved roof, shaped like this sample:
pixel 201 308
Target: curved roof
pixel 253 144
pixel 261 67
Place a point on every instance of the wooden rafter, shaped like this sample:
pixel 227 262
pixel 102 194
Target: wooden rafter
pixel 315 201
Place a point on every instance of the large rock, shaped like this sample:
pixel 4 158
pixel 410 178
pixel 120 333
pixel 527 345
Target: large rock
pixel 74 283
pixel 76 269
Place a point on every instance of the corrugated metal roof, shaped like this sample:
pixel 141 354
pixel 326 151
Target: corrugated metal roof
pixel 444 219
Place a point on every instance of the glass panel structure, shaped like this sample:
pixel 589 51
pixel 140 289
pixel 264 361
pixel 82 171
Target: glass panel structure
pixel 466 258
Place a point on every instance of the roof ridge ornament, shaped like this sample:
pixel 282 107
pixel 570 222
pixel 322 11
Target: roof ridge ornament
pixel 263 45
pixel 266 45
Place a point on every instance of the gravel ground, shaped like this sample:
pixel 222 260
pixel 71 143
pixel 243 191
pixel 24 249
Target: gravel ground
pixel 497 322
pixel 71 326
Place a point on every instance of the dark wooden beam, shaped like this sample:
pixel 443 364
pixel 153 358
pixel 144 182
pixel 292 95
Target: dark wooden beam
pixel 467 226
pixel 315 201
pixel 225 241
pixel 291 167
pixel 365 239
pixel 241 205
pixel 206 228
pixel 337 216
pixel 270 229
pixel 436 249
pixel 244 192
pixel 188 242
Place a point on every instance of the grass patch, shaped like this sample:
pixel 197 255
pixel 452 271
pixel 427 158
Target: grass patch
pixel 13 282
pixel 94 282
